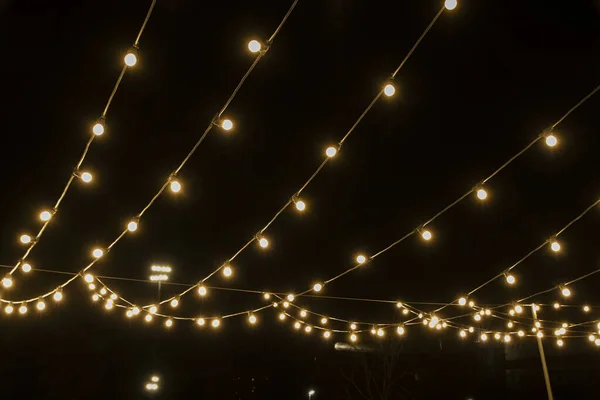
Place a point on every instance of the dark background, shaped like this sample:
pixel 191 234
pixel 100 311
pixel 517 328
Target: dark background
pixel 489 77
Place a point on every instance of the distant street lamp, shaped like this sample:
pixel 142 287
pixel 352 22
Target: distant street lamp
pixel 153 384
pixel 310 394
pixel 159 274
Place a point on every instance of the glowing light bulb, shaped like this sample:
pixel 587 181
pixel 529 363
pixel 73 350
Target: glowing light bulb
pixel 153 310
pixel 290 297
pixel 202 291
pixel 25 239
pixel 308 329
pixel 8 309
pixel 380 332
pixel 175 186
pixel 323 321
pixel 300 205
pixel 23 309
pixel 551 141
pixel 566 292
pixel 129 313
pixel 471 304
pixel 200 321
pixel 510 325
pixel 282 316
pixel 426 235
pixel 507 338
pixel 227 271
pixel 169 323
pixel 389 90
pixel 254 46
pixel 586 308
pixel 263 242
pixel 538 324
pixel 174 302
pixel 555 246
pixel 135 310
pixel 40 305
pixel 148 318
pixel 353 326
pixel 405 311
pixel 97 253
pixel 463 334
pixel 497 336
pixel 45 215
pixel 7 282
pixel 450 4
pixel 481 194
pixel 400 330
pixel 215 323
pixel 361 259
pixel 26 267
pixel 113 296
pixel 510 279
pixel 317 287
pixel 58 296
pixel 86 177
pixel 518 309
pixel 95 297
pixel 591 338
pixel 297 325
pixel 560 343
pixel 540 334
pixel 331 151
pixel 471 329
pixel 597 342
pixel 303 314
pixel 108 305
pixel 488 312
pixel 227 124
pixel 483 337
pixel 556 306
pixel 98 129
pixel 89 278
pixel 130 59
pixel 353 337
pixel 477 317
pixel 103 291
pixel 132 226
pixel 286 304
pixel 326 334
pixel 521 333
pixel 462 301
pixel 266 296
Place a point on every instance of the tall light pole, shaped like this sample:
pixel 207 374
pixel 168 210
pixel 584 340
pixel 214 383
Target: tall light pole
pixel 160 273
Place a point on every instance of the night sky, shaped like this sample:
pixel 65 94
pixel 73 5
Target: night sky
pixel 488 78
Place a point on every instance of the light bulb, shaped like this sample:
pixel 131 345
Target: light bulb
pixel 174 302
pixel 227 271
pixel 226 124
pixel 8 309
pixel 86 177
pixel 45 215
pixel 58 296
pixel 326 334
pixel 400 330
pixel 462 301
pixel 40 305
pixel 483 337
pixel 361 259
pixel 560 342
pixel 286 304
pixel 426 235
pixel 297 325
pixel 175 186
pixel 135 310
pixel 405 311
pixel 463 334
pixel 132 226
pixel 471 329
pixel 591 338
pixel 98 129
pixel 89 278
pixel 169 323
pixel 477 317
pixel 23 309
pixel 521 333
pixel 488 312
pixel 103 291
pixel 471 304
pixel 510 279
pixel 7 282
pixel 450 4
pixel 323 321
pixel 202 291
pixel 510 325
pixel 380 332
pixel 148 318
pixel 540 334
pixel 331 151
pixel 389 90
pixel 353 326
pixel 551 141
pixel 317 287
pixel 113 296
pixel 300 205
pixel 538 324
pixel 254 46
pixel 353 337
pixel 97 253
pixel 95 297
pixel 555 246
pixel 108 305
pixel 518 309
pixel 308 329
pixel 597 342
pixel 512 312
pixel 153 310
pixel 282 316
pixel 566 292
pixel 129 313
pixel 507 338
pixel 481 194
pixel 556 306
pixel 215 323
pixel 497 336
pixel 290 297
pixel 200 321
pixel 303 314
pixel 25 239
pixel 155 378
pixel 263 242
pixel 130 59
pixel 26 268
pixel 586 308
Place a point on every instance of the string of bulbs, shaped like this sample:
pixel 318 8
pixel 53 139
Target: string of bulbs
pixel 172 182
pixel 98 129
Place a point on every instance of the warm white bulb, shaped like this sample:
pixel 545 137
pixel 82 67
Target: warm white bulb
pixel 132 226
pixel 148 318
pixel 89 278
pixel 353 327
pixel 521 333
pixel 540 334
pixel 23 309
pixel 227 271
pixel 282 316
pixel 113 296
pixel 586 308
pixel 462 301
pixel 227 124
pixel 169 323
pixel 303 314
pixel 215 323
pixel 308 329
pixel 483 337
pixel 510 279
pixel 566 292
pixel 507 338
pixel 58 296
pixel 538 324
pixel 7 282
pixel 400 330
pixel 477 317
pixel 450 4
pixel 551 141
pixel 263 242
pixel 481 194
pixel 405 311
pixel 463 334
pixel 560 342
pixel 254 46
pixel 103 291
pixel 518 309
pixel 380 332
pixel 45 215
pixel 129 313
pixel 591 338
pixel 267 296
pixel 326 334
pixel 97 253
pixel 556 306
pixel 497 336
pixel 130 59
pixel 26 268
pixel 300 205
pixel 8 309
pixel 353 337
pixel 175 186
pixel 25 239
pixel 331 151
pixel 471 304
pixel 153 310
pixel 426 235
pixel 174 303
pixel 286 304
pixel 98 129
pixel 510 325
pixel 323 321
pixel 389 90
pixel 361 259
pixel 86 177
pixel 597 342
pixel 290 297
pixel 317 287
pixel 555 246
pixel 108 305
pixel 202 291
pixel 95 297
pixel 40 305
pixel 200 321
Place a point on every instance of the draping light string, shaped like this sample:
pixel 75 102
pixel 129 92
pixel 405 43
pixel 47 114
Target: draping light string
pixel 388 90
pixel 98 129
pixel 226 124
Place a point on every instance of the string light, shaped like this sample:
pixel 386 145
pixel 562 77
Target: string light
pixel 25 239
pixel 132 226
pixel 303 313
pixel 510 279
pixel 130 58
pixel 103 291
pixel 148 318
pixel 554 245
pixel 462 301
pixel 586 309
pixel 426 235
pixel 23 309
pixel 129 313
pixel 200 321
pixel 556 306
pixel 7 282
pixel 98 128
pixel 290 297
pixel 308 329
pixel 297 325
pixel 169 323
pixel 135 310
pixel 551 140
pixel 521 333
pixel 254 46
pixel 175 186
pixel 227 271
pixel 282 316
pixel 262 241
pixel 353 337
pixel 591 338
pixel 215 323
pixel 89 278
pixel 481 194
pixel 326 334
pixel 317 287
pixel 518 309
pixel 45 215
pixel 286 304
pixel 113 296
pixel 471 329
pixel 26 268
pixel 109 305
pixel 97 253
pixel 565 291
pixel 538 324
pixel 353 326
pixel 40 305
pixel 450 4
pixel 175 302
pixel 227 124
pixel 483 337
pixel 300 205
pixel 361 259
pixel 58 296
pixel 540 334
pixel 153 310
pixel 597 342
pixel 380 332
pixel 331 151
pixel 267 296
pixel 510 325
pixel 389 90
pixel 86 177
pixel 400 330
pixel 202 291
pixel 507 338
pixel 463 334
pixel 323 321
pixel 95 297
pixel 8 309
